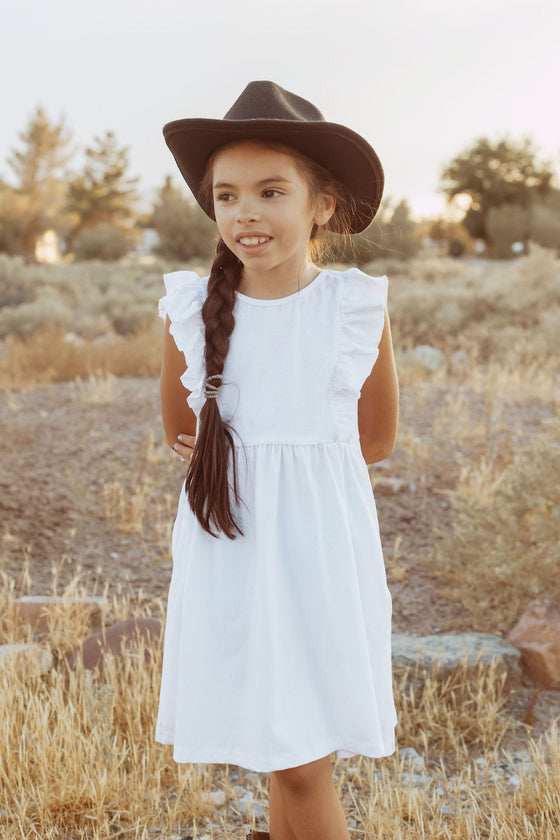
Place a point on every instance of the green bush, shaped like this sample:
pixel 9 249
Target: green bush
pixel 505 225
pixel 90 298
pixel 185 232
pixel 14 288
pixel 102 242
pixel 544 226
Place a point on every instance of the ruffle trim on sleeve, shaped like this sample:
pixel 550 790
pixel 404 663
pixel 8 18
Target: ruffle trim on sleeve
pixel 363 300
pixel 183 301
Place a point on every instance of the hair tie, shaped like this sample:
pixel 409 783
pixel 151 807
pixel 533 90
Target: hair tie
pixel 211 391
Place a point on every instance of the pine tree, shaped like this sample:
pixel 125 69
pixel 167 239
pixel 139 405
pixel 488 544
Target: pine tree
pixel 36 203
pixel 102 194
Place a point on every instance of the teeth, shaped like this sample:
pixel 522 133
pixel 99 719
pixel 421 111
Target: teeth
pixel 254 240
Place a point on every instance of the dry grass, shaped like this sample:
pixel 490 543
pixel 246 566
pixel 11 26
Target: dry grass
pixel 79 760
pixel 145 507
pixel 502 548
pixel 68 321
pixel 490 451
pixel 50 356
pixel 505 312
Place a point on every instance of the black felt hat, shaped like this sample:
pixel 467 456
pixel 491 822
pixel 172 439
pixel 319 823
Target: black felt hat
pixel 266 111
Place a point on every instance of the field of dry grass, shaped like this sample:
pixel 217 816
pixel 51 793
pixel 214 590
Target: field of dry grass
pixel 78 759
pixel 60 322
pixel 470 536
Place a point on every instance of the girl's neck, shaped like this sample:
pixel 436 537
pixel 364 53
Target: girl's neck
pixel 267 285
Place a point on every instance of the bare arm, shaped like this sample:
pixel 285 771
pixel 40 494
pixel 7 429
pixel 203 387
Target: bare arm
pixel 378 406
pixel 178 417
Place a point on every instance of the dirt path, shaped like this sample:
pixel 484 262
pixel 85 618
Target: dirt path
pixel 88 478
pixel 73 452
pixel 89 484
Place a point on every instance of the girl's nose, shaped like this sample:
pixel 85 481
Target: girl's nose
pixel 247 210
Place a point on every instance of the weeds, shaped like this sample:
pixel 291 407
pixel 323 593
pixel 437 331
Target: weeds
pixel 78 759
pixel 502 547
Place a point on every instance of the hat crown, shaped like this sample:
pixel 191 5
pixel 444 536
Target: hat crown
pixel 269 101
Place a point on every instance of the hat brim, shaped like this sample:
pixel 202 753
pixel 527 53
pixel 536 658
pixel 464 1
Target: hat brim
pixel 338 149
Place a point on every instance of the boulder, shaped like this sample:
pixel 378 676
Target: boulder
pixel 41 611
pixel 118 641
pixel 537 636
pixel 28 660
pixel 451 648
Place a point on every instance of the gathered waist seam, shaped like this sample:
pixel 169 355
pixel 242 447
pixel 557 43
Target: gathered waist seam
pixel 323 443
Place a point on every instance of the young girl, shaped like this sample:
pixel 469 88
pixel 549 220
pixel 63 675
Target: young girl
pixel 278 636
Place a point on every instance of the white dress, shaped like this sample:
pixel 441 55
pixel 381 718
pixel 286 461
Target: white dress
pixel 278 643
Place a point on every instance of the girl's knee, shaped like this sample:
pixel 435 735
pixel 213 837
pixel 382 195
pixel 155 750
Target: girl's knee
pixel 305 776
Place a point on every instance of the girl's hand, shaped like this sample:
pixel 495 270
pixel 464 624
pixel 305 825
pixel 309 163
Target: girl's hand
pixel 184 447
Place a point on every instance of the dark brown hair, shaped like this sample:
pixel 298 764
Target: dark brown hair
pixel 207 486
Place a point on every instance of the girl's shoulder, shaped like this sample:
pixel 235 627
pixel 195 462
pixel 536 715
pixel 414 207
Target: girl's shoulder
pixel 182 278
pixel 358 289
pixel 184 295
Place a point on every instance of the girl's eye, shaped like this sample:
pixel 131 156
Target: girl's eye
pixel 226 197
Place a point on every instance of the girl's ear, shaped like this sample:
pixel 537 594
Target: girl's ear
pixel 325 208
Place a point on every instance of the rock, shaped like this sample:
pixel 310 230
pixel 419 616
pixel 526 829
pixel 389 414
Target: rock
pixel 389 486
pixel 28 660
pixel 412 760
pixel 537 636
pixel 41 612
pixel 105 340
pixel 217 798
pixel 427 357
pixel 248 806
pixel 451 648
pixel 73 338
pixel 415 779
pixel 118 641
pixel 254 778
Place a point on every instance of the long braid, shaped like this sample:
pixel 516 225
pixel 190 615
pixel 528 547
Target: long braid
pixel 206 484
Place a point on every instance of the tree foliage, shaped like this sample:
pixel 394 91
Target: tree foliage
pixel 392 233
pixel 505 225
pixel 103 194
pixel 101 242
pixel 495 174
pixel 402 222
pixel 454 234
pixel 36 203
pixel 185 231
pixel 544 221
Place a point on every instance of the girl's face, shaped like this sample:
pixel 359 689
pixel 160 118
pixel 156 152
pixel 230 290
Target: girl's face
pixel 264 210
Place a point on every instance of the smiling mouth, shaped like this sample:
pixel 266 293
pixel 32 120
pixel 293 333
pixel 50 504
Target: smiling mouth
pixel 254 241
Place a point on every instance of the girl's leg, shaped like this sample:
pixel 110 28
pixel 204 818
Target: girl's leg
pixel 279 826
pixel 311 805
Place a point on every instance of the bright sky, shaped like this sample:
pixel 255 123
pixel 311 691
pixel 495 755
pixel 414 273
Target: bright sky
pixel 421 81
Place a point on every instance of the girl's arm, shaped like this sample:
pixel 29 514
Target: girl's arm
pixel 378 406
pixel 178 417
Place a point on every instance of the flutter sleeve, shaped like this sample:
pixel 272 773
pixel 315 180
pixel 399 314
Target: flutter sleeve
pixel 183 301
pixel 363 300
